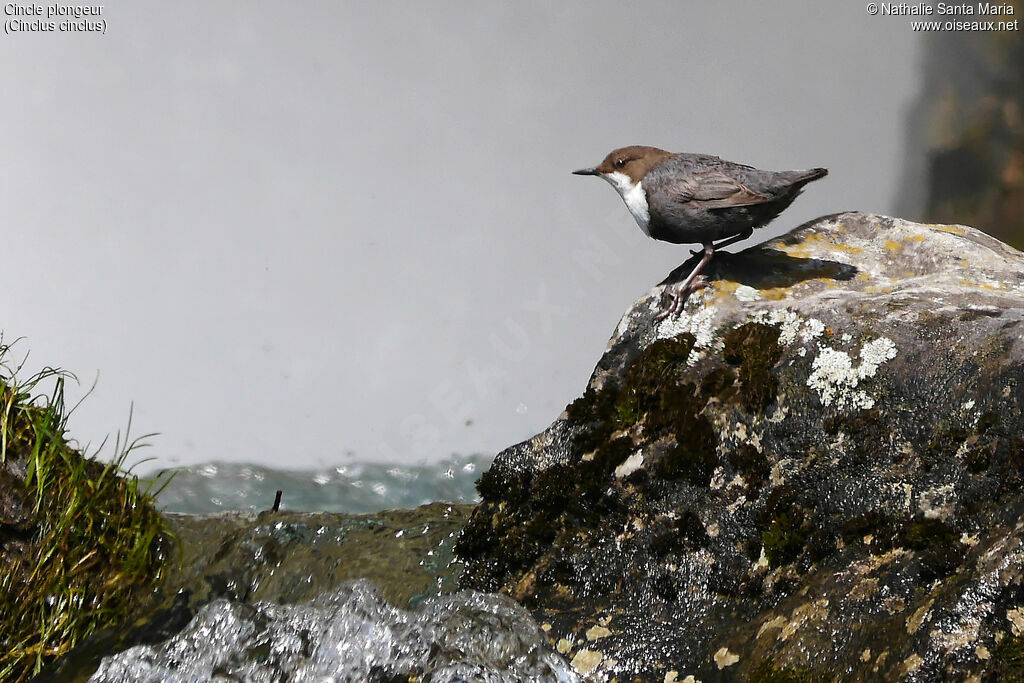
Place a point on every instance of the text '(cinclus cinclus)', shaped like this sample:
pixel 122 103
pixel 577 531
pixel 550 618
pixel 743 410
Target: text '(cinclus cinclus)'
pixel 686 198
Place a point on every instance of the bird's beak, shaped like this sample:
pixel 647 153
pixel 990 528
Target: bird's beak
pixel 587 171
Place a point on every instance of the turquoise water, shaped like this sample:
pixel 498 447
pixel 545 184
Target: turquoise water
pixel 353 487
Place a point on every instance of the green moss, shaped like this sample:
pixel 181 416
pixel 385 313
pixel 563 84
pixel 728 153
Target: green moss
pixel 860 422
pixel 598 414
pixel 515 523
pixel 983 445
pixel 784 527
pixel 986 421
pixel 877 525
pixel 936 544
pixel 1015 454
pixel 565 496
pixel 650 382
pixel 865 430
pixel 523 515
pixel 754 347
pixel 609 456
pixel 478 537
pixel 944 443
pixel 592 406
pixel 690 461
pixel 93 547
pixel 627 412
pixel 783 540
pixel 593 414
pixel 751 464
pixel 503 483
pixel 694 456
pixel 654 391
pixel 1007 662
pixel 766 672
pixel 660 364
pixel 685 533
pixel 720 383
pixel 978 458
pixel 923 533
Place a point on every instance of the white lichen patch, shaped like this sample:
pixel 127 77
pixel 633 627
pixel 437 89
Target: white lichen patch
pixel 874 353
pixel 700 323
pixel 786 320
pixel 835 377
pixel 747 293
pixel 811 329
pixel 629 465
pixel 792 325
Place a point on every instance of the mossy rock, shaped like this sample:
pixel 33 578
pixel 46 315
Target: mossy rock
pixel 810 471
pixel 82 546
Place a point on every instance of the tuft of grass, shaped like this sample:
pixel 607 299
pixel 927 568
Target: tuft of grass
pixel 93 544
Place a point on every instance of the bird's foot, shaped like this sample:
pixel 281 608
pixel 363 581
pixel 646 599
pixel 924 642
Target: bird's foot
pixel 678 293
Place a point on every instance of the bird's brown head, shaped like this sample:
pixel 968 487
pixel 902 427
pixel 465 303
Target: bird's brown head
pixel 634 161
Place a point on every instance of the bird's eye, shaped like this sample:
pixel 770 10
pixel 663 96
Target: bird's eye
pixel 619 163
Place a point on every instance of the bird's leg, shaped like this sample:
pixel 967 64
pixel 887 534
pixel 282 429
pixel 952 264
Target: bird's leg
pixel 732 240
pixel 680 291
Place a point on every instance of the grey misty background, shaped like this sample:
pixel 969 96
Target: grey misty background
pixel 301 236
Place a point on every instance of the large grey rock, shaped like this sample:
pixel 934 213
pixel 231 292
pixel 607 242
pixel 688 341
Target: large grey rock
pixel 815 472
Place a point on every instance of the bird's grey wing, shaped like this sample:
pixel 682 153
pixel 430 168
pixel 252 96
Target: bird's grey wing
pixel 713 190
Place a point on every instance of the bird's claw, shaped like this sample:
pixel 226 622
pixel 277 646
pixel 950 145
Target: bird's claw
pixel 678 296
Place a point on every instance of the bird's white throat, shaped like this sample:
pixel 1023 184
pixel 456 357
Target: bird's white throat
pixel 634 196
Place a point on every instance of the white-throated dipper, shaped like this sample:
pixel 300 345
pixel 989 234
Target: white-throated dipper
pixel 688 198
